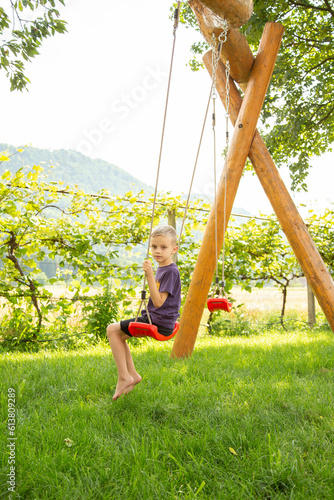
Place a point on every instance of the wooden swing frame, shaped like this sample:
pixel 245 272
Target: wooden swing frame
pixel 253 76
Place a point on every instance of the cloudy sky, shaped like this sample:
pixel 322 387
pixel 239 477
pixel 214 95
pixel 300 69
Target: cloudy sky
pixel 100 89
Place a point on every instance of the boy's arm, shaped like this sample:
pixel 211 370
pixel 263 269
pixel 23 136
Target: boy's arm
pixel 157 298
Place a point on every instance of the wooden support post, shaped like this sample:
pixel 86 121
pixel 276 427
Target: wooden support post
pixel 291 222
pixel 234 165
pixel 171 217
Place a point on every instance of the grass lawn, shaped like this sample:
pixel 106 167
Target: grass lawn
pixel 243 418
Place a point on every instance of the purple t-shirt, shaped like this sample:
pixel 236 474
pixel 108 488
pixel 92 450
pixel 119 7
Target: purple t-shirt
pixel 167 279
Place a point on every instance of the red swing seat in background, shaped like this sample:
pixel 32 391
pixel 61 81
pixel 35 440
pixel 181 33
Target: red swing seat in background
pixel 219 303
pixel 139 329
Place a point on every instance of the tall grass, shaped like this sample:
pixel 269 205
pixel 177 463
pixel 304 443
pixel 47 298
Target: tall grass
pixel 243 418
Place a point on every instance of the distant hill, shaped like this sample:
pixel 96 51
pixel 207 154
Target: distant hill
pixel 90 175
pixel 75 168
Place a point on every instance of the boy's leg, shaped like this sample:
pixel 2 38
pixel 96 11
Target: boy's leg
pixel 131 369
pixel 127 374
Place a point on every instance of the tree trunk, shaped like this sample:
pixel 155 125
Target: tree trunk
pixel 284 293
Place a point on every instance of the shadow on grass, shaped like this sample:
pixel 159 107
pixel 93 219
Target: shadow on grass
pixel 213 360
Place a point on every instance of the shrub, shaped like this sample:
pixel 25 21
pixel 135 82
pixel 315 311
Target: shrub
pixel 102 309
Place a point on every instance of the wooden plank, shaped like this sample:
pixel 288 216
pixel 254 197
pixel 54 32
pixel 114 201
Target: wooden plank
pixel 291 222
pixel 235 162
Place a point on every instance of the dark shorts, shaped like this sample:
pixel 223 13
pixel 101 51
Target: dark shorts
pixel 161 329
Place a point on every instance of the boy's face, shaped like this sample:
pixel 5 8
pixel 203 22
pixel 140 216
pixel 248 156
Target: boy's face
pixel 162 250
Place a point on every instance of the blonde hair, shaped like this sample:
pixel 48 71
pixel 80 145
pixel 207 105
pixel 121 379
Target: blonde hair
pixel 167 231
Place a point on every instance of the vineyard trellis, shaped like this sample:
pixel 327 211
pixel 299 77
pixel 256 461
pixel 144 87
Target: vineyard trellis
pixel 32 229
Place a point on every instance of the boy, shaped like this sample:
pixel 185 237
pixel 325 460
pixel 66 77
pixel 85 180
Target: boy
pixel 163 306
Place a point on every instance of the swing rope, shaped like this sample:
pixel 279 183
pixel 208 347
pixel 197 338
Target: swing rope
pixel 227 115
pixel 195 166
pixel 143 293
pixel 221 302
pixel 214 96
pixel 216 50
pixel 215 59
pixel 221 40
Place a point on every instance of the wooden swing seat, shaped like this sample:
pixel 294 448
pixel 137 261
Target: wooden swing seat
pixel 139 329
pixel 219 303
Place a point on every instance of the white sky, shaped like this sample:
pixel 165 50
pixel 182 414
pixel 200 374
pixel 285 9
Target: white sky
pixel 100 89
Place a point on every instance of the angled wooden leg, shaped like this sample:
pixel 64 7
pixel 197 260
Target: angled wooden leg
pixel 234 165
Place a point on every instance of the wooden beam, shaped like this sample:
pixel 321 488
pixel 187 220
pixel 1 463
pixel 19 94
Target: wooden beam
pixel 291 222
pixel 235 162
pixel 235 49
pixel 236 13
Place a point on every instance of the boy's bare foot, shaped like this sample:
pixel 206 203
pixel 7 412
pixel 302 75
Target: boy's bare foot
pixel 122 385
pixel 136 381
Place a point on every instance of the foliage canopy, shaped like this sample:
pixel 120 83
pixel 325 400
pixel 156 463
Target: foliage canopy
pixel 298 114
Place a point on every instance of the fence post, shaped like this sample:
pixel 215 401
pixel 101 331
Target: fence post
pixel 172 222
pixel 310 306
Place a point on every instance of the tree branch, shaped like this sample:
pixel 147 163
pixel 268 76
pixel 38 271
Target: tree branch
pixel 311 124
pixel 329 8
pixel 319 64
pixel 311 6
pixel 13 245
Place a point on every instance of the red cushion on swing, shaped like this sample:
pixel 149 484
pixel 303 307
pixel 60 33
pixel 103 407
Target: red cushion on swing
pixel 217 303
pixel 139 329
